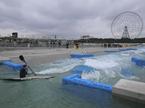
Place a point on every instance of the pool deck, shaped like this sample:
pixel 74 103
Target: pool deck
pixel 3 58
pixel 132 90
pixel 46 51
pixel 53 51
pixel 46 55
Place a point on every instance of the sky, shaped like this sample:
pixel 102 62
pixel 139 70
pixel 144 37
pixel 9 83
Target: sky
pixel 64 18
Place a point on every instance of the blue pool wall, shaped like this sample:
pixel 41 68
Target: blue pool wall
pixel 120 50
pixel 81 55
pixel 76 80
pixel 127 49
pixel 139 61
pixel 11 64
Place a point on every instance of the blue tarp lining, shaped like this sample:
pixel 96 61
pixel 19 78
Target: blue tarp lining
pixel 126 49
pixel 81 55
pixel 11 64
pixel 122 49
pixel 111 51
pixel 139 61
pixel 81 68
pixel 76 79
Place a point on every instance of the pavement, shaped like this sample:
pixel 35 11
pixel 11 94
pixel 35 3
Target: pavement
pixel 36 56
pixel 132 90
pixel 45 51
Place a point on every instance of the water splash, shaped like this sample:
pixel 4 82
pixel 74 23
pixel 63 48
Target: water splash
pixel 99 76
pixel 60 66
pixel 94 75
pixel 109 68
pixel 104 61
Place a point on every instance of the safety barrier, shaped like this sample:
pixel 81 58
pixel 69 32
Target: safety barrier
pixel 79 55
pixel 126 49
pixel 139 61
pixel 11 64
pixel 111 51
pixel 76 80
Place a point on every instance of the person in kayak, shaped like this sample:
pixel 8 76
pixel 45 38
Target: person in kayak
pixel 23 71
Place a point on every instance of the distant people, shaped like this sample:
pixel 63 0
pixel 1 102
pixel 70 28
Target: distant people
pixel 23 71
pixel 67 45
pixel 109 45
pixel 51 44
pixel 54 44
pixel 59 44
pixel 77 45
pixel 105 45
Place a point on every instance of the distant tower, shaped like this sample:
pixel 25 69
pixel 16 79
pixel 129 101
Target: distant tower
pixel 125 34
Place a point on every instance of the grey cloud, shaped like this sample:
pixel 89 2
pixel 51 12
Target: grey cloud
pixel 64 17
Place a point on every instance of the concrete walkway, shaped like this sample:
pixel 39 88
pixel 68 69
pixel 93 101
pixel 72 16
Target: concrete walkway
pixel 38 56
pixel 3 58
pixel 132 90
pixel 45 51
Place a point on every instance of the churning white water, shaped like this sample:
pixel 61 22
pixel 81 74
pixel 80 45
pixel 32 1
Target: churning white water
pixel 100 64
pixel 106 68
pixel 60 66
pixel 112 67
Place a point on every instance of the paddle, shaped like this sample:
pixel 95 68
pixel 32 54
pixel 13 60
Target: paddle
pixel 21 57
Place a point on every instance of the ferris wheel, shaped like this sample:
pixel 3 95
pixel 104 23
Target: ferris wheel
pixel 127 25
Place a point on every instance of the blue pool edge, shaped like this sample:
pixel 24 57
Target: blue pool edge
pixel 76 80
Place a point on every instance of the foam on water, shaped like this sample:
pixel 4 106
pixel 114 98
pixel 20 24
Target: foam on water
pixel 106 68
pixel 99 76
pixel 112 67
pixel 129 77
pixel 57 69
pixel 94 75
pixel 104 61
pixel 100 64
pixel 60 66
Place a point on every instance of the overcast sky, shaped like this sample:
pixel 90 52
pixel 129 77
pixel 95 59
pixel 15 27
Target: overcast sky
pixel 66 18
